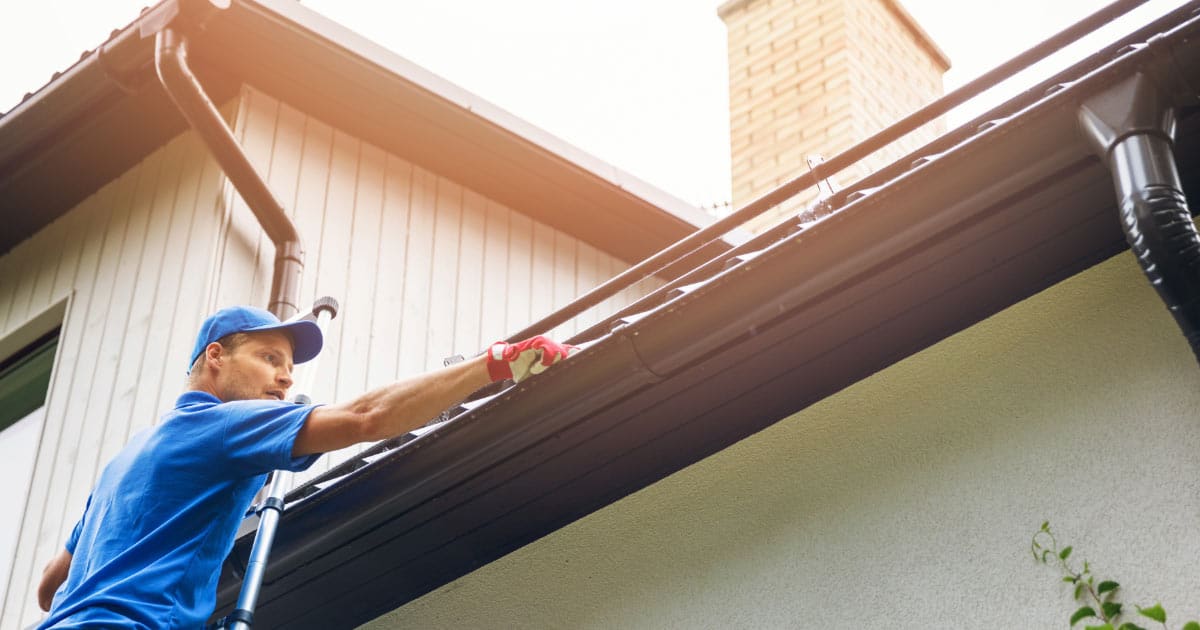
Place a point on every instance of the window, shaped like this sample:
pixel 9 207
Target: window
pixel 24 383
pixel 25 379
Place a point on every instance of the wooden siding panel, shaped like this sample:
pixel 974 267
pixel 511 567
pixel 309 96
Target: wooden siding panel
pixel 43 266
pixel 20 271
pixel 443 267
pixel 284 175
pixel 331 267
pixel 417 274
pixel 362 267
pixel 311 187
pixel 9 277
pixel 241 234
pixel 134 312
pixel 565 267
pixel 587 278
pixel 469 305
pixel 123 336
pixel 361 263
pixel 388 301
pixel 496 271
pixel 520 273
pixel 257 130
pixel 361 279
pixel 168 259
pixel 540 294
pixel 78 225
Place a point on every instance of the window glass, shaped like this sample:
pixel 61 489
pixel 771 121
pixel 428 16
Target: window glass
pixel 25 379
pixel 24 383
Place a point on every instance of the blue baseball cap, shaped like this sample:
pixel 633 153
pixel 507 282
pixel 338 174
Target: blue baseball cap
pixel 306 335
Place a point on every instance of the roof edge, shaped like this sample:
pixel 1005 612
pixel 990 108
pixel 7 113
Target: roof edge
pixel 38 132
pixel 353 43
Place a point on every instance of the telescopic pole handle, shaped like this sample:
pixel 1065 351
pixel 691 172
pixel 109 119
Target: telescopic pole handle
pixel 323 311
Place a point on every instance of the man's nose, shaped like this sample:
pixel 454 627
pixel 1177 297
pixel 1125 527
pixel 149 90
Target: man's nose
pixel 285 378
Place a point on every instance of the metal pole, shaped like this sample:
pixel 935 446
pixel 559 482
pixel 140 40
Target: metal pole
pixel 270 510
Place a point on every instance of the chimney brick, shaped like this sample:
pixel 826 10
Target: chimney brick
pixel 813 77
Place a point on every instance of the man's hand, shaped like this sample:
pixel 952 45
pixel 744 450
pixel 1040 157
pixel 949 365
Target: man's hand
pixel 402 406
pixel 53 576
pixel 520 360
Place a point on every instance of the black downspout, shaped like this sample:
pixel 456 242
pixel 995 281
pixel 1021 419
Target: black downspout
pixel 170 59
pixel 1132 128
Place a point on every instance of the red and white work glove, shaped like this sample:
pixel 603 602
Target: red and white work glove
pixel 520 360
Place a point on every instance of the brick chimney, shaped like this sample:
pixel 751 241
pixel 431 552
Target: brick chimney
pixel 815 77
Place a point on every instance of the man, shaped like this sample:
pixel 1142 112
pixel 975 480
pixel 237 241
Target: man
pixel 147 552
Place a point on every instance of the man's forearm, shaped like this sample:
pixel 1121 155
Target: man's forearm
pixel 410 403
pixel 390 410
pixel 407 404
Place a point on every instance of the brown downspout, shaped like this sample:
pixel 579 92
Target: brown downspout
pixel 170 59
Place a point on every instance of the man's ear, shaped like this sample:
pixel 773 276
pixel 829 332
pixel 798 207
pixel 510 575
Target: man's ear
pixel 214 352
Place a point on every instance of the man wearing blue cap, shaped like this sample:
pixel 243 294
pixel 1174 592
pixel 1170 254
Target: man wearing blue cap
pixel 147 552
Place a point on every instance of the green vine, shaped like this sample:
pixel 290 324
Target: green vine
pixel 1099 598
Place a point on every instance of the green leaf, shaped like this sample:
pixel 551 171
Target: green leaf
pixel 1082 613
pixel 1065 552
pixel 1129 625
pixel 1071 579
pixel 1154 612
pixel 1078 591
pixel 1045 526
pixel 1103 626
pixel 1191 625
pixel 1106 586
pixel 1111 609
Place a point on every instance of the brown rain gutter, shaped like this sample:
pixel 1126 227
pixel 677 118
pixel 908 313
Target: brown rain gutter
pixel 170 60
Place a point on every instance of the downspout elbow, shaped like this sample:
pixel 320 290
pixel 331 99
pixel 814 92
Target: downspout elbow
pixel 1131 126
pixel 185 90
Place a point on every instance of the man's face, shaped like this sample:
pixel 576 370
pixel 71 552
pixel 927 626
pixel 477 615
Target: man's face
pixel 261 367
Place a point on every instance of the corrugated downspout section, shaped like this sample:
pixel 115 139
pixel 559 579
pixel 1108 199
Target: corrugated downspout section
pixel 1132 127
pixel 170 59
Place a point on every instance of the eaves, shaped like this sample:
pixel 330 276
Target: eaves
pixel 102 115
pixel 996 211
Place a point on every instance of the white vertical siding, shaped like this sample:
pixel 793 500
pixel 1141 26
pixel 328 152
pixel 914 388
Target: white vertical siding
pixel 423 267
pixel 135 257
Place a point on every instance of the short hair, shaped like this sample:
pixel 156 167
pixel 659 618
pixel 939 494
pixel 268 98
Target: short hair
pixel 230 342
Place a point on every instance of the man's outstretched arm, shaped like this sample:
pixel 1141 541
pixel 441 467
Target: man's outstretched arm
pixel 405 405
pixel 53 576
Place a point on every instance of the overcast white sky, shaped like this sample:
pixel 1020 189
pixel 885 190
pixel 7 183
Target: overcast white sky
pixel 640 84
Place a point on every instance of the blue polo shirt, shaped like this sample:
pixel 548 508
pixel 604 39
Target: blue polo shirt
pixel 165 512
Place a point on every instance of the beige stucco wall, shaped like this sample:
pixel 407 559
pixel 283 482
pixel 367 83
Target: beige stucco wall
pixel 908 499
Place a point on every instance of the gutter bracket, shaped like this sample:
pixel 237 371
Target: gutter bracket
pixel 126 83
pixel 180 13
